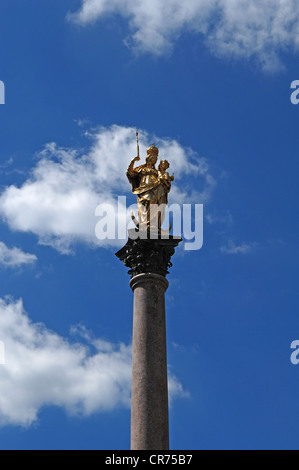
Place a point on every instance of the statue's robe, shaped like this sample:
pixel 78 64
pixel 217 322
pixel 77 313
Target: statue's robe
pixel 150 194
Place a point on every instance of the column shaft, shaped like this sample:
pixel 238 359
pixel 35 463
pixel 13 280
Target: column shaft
pixel 149 413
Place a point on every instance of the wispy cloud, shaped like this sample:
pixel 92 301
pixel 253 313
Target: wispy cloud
pixel 42 368
pixel 58 201
pixel 232 249
pixel 213 219
pixel 14 257
pixel 6 164
pixel 234 28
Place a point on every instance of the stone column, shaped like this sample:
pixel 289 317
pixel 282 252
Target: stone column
pixel 149 260
pixel 149 413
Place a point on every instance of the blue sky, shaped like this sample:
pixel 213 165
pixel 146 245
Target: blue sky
pixel 209 83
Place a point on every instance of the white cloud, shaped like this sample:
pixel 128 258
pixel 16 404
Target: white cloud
pixel 234 28
pixel 42 369
pixel 232 249
pixel 58 201
pixel 14 257
pixel 226 218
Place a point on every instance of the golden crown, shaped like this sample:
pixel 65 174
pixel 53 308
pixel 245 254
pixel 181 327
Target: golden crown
pixel 153 150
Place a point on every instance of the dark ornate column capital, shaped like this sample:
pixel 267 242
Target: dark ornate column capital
pixel 145 255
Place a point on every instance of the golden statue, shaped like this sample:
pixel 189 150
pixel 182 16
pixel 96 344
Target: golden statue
pixel 151 187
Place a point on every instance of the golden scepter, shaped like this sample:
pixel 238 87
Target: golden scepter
pixel 137 158
pixel 137 146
